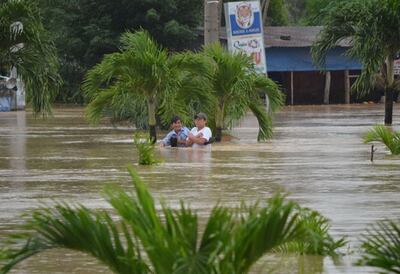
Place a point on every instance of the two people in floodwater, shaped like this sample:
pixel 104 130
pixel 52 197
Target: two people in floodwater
pixel 180 136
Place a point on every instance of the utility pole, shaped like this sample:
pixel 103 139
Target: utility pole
pixel 264 9
pixel 211 21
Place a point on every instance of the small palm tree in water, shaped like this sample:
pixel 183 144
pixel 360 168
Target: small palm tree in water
pixel 146 240
pixel 142 80
pixel 145 150
pixel 237 88
pixel 385 135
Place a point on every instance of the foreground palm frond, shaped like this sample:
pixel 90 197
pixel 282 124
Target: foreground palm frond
pixel 232 240
pixel 317 239
pixel 381 246
pixel 385 135
pixel 79 228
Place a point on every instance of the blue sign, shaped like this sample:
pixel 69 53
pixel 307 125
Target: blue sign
pixel 239 27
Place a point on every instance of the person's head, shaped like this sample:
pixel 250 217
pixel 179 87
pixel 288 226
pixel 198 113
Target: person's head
pixel 200 120
pixel 176 123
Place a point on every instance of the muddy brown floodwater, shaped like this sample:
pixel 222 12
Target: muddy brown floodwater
pixel 316 155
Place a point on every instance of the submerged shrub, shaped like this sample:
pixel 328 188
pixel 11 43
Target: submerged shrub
pixel 390 138
pixel 145 148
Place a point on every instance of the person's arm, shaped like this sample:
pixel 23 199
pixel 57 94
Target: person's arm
pixel 198 139
pixel 184 136
pixel 166 140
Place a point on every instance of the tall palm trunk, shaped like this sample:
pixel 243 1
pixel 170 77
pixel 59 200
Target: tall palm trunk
pixel 219 121
pixel 389 91
pixel 151 106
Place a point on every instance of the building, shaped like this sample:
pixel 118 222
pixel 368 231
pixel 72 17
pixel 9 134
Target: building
pixel 289 62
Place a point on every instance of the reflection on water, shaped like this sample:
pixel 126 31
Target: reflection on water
pixel 316 155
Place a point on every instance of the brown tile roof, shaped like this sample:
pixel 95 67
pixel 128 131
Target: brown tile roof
pixel 289 37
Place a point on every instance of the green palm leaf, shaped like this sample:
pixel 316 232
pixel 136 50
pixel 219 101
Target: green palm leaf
pixel 145 71
pixel 385 135
pixel 237 88
pixel 232 240
pixel 381 246
pixel 371 26
pixel 81 229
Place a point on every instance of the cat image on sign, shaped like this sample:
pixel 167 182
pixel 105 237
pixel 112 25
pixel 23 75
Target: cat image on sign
pixel 244 15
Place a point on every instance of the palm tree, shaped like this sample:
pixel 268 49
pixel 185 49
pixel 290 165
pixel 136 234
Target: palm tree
pixel 372 26
pixel 381 246
pixel 142 76
pixel 390 138
pixel 25 45
pixel 236 88
pixel 167 241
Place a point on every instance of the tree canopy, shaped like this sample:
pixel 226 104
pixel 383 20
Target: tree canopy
pixel 27 46
pixel 373 27
pixel 85 30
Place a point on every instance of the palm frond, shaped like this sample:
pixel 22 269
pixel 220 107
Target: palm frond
pixel 80 229
pixel 271 90
pixel 381 246
pixel 36 60
pixel 316 239
pixel 385 135
pixel 232 241
pixel 372 29
pixel 237 88
pixel 264 121
pixel 272 226
pixel 340 24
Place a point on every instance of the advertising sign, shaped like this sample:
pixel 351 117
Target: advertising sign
pixel 245 31
pixel 397 67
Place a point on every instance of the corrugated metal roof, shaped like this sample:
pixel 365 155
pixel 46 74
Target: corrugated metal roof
pixel 289 37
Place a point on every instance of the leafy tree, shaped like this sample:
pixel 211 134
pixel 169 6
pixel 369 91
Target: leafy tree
pixel 372 26
pixel 278 14
pixel 315 11
pixel 167 241
pixel 144 76
pixel 26 45
pixel 236 88
pixel 381 246
pixel 85 30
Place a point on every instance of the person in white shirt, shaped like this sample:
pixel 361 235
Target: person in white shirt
pixel 200 135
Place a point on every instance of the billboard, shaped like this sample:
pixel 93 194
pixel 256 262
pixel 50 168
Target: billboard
pixel 397 67
pixel 245 31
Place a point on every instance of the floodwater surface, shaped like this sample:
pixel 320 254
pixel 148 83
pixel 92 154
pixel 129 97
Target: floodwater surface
pixel 316 155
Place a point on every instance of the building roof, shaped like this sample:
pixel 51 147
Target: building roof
pixel 289 37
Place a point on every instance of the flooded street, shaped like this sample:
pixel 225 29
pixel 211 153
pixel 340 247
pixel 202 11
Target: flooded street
pixel 316 155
